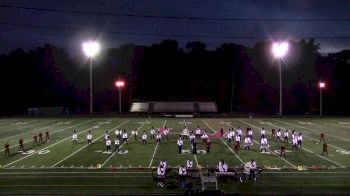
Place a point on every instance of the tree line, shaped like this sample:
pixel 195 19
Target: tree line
pixel 238 78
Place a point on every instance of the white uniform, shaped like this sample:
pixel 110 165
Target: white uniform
pixel 89 138
pixel 239 132
pixel 247 141
pixel 238 138
pixel 116 132
pixel 163 163
pixel 263 132
pixel 250 133
pixel 185 131
pixel 165 132
pixel 278 134
pixel 286 134
pixel 161 171
pixel 180 142
pixel 198 132
pixel 295 141
pixel 189 164
pixel 158 137
pixel 204 136
pixel 108 145
pixel 152 131
pixel 263 141
pixel 106 136
pixel 125 136
pixel 222 167
pixel 182 171
pixel 75 137
pixel 192 137
pixel 144 137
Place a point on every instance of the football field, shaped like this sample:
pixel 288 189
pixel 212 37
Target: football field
pixel 57 166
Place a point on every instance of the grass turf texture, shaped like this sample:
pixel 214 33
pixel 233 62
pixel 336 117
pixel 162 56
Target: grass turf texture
pixel 59 167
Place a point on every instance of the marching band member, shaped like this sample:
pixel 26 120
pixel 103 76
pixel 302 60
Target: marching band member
pixel 198 132
pixel 189 164
pixel 152 132
pixel 158 137
pixel 108 144
pixel 89 137
pixel 294 142
pixel 117 144
pixel 75 137
pixel 125 137
pixel 205 137
pixel 247 143
pixel 180 143
pixel 182 173
pixel 263 143
pixel 300 139
pixel 286 136
pixel 278 135
pixel 250 133
pixel 144 137
pixel 222 166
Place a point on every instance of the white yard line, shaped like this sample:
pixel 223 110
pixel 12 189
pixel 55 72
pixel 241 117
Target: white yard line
pixel 121 146
pixel 233 152
pixel 328 125
pixel 19 124
pixel 20 128
pixel 49 145
pixel 50 134
pixel 342 166
pixel 224 142
pixel 8 121
pixel 315 132
pixel 67 157
pixel 323 127
pixel 28 132
pixel 155 150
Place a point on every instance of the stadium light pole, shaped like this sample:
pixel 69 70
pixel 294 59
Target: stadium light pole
pixel 280 50
pixel 322 85
pixel 120 84
pixel 91 48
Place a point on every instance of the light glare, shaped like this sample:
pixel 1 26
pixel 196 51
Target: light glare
pixel 280 49
pixel 322 84
pixel 91 48
pixel 119 83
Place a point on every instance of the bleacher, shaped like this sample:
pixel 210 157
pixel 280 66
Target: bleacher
pixel 174 107
pixel 139 107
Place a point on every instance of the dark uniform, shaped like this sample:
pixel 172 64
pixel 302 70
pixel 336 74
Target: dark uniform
pixel 21 147
pixel 7 149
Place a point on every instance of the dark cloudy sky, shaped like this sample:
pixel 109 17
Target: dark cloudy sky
pixel 215 22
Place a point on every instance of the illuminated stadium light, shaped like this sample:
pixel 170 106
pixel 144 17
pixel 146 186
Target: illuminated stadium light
pixel 120 84
pixel 322 84
pixel 280 49
pixel 91 48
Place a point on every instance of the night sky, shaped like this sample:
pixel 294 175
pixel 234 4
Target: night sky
pixel 212 22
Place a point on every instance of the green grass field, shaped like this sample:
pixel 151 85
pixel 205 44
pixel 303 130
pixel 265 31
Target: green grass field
pixel 59 167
